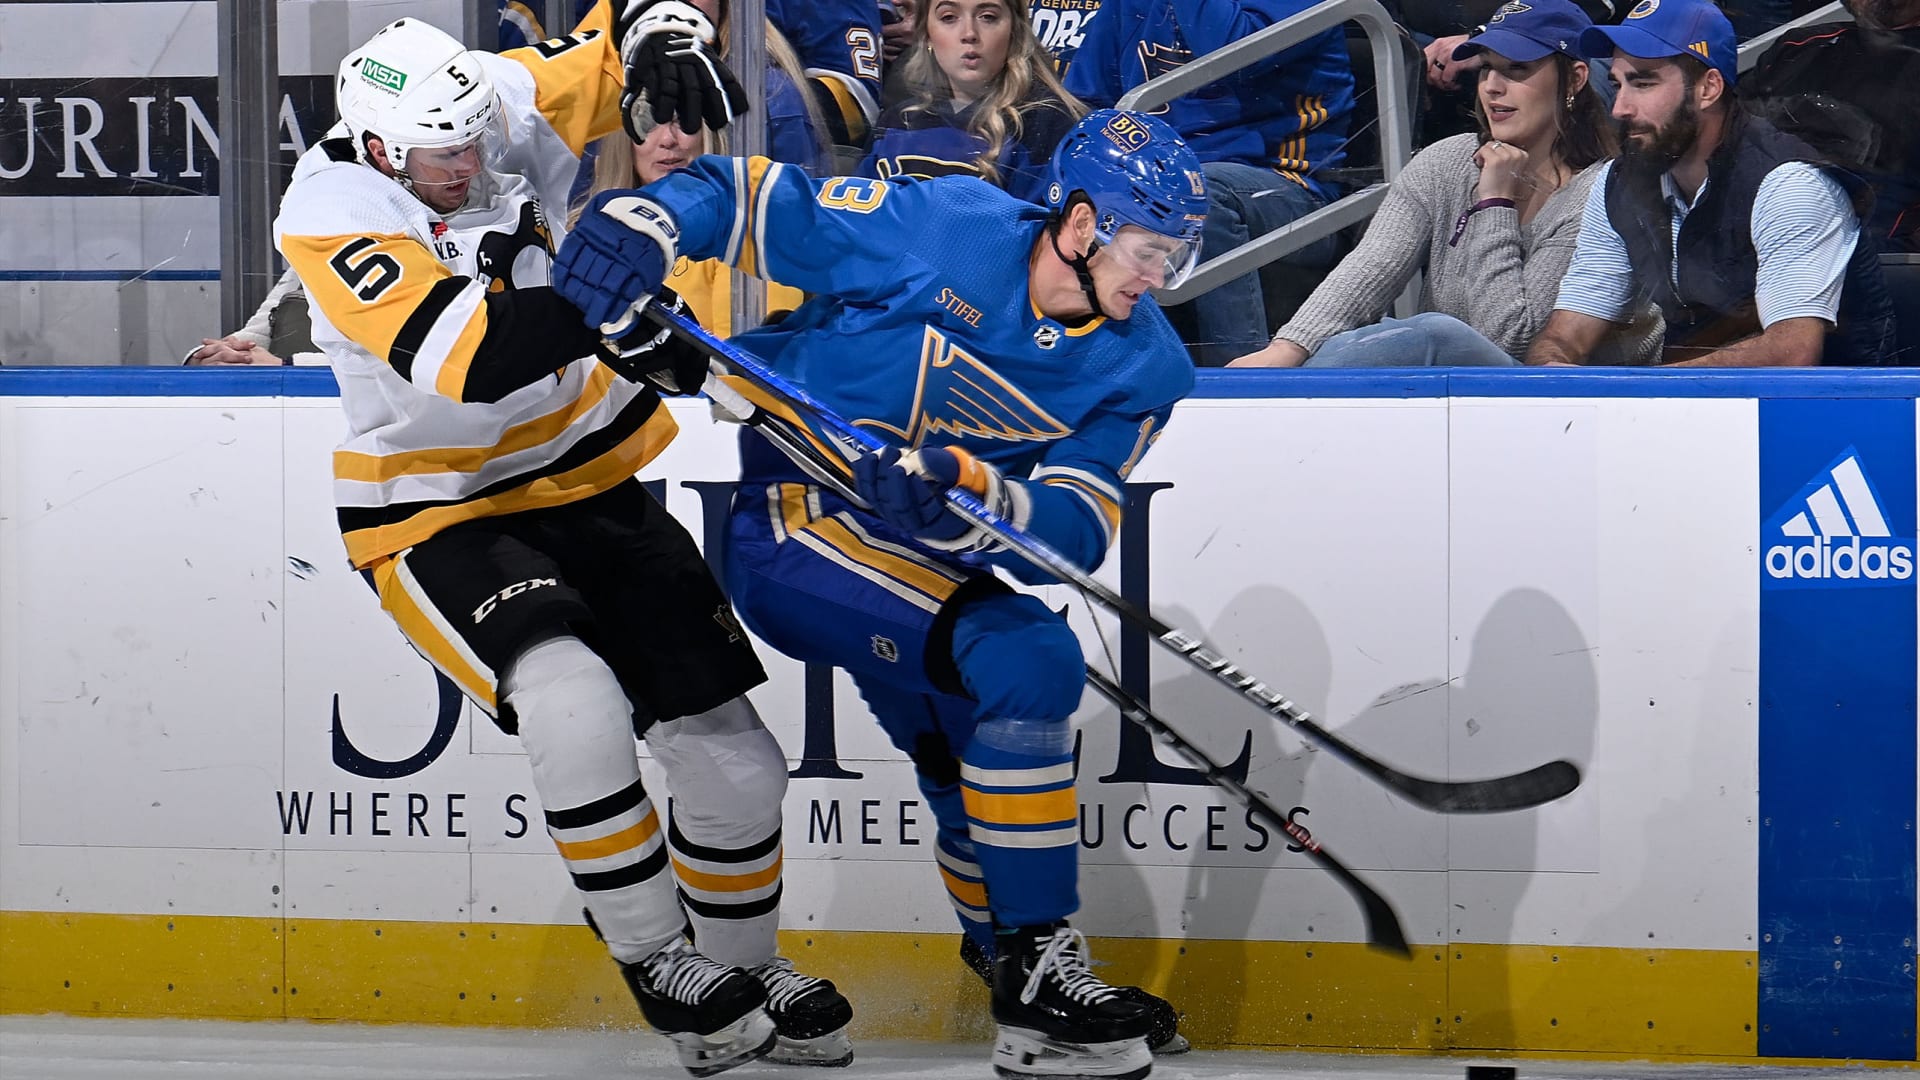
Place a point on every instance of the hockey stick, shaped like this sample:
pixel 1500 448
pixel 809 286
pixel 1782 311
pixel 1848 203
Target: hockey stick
pixel 1382 925
pixel 1540 784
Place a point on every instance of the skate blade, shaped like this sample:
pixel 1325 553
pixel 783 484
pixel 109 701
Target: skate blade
pixel 829 1051
pixel 746 1039
pixel 1176 1045
pixel 1023 1054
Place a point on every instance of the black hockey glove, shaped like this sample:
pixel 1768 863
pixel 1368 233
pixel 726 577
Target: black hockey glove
pixel 673 71
pixel 655 354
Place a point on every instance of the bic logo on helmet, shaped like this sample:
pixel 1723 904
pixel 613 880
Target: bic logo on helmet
pixel 1126 133
pixel 381 75
pixel 1834 534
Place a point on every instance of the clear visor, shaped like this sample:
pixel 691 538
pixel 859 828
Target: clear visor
pixel 446 166
pixel 1164 260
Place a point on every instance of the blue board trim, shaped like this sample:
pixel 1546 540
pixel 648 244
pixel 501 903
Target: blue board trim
pixel 1209 384
pixel 1838 638
pixel 168 382
pixel 109 275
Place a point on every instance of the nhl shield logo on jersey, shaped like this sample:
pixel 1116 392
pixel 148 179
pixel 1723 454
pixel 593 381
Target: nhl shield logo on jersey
pixel 885 649
pixel 1046 335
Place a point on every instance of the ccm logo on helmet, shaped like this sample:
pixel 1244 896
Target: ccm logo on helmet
pixel 509 593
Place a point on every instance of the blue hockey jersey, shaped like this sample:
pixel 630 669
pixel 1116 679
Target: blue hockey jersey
pixel 924 333
pixel 838 42
pixel 1288 113
pixel 924 143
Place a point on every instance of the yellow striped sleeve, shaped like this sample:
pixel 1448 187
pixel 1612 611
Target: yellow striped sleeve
pixel 389 295
pixel 753 224
pixel 577 79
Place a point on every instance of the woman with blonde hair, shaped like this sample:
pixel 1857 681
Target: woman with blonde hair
pixel 706 286
pixel 976 96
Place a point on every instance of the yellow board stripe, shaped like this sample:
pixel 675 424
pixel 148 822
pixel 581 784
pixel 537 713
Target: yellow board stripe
pixel 1021 808
pixel 380 468
pixel 601 474
pixel 727 883
pixel 1558 1003
pixel 426 636
pixel 626 839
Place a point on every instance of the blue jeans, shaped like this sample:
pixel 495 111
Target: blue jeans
pixel 1429 339
pixel 1246 202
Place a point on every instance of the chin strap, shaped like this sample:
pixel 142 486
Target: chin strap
pixel 1079 264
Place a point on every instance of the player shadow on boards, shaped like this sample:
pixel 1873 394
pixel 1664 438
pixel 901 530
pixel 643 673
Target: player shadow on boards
pixel 1528 694
pixel 1221 892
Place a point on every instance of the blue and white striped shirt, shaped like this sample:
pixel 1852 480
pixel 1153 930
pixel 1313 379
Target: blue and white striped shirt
pixel 1804 233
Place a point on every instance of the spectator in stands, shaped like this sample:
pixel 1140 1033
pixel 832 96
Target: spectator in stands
pixel 706 286
pixel 1748 243
pixel 977 97
pixel 838 43
pixel 1810 84
pixel 279 333
pixel 1262 134
pixel 1492 218
pixel 519 25
pixel 897 26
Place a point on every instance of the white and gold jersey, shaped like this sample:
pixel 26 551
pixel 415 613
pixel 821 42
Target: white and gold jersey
pixel 470 388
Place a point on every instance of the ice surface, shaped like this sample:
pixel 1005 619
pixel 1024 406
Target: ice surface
pixel 62 1048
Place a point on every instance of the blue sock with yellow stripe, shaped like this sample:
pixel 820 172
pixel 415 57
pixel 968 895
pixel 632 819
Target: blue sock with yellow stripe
pixel 1016 780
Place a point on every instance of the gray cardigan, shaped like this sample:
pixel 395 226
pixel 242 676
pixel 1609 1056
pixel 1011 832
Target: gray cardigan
pixel 1501 279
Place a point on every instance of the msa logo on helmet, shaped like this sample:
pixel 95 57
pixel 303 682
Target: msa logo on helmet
pixel 1834 534
pixel 381 75
pixel 1126 133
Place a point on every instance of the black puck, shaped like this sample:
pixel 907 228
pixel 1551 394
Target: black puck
pixel 1490 1072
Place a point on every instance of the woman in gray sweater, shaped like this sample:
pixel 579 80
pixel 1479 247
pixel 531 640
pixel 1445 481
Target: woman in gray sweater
pixel 1492 217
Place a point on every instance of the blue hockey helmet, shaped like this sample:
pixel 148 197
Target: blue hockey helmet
pixel 1135 170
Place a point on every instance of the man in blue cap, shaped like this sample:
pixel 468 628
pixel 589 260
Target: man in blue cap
pixel 1748 242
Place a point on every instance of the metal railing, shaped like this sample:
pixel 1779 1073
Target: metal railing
pixel 1752 48
pixel 1395 131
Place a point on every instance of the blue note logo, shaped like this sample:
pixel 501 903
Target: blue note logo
pixel 1835 534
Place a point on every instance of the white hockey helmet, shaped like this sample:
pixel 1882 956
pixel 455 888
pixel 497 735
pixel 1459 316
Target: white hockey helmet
pixel 419 90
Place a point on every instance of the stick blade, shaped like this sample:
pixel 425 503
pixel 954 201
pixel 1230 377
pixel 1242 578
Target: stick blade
pixel 1538 785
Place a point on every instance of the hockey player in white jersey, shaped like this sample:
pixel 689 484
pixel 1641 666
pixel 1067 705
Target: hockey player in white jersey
pixel 486 486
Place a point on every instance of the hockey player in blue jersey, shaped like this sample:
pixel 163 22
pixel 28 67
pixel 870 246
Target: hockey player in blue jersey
pixel 1002 345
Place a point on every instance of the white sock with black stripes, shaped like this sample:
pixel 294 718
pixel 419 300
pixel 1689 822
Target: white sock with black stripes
pixel 728 776
pixel 577 727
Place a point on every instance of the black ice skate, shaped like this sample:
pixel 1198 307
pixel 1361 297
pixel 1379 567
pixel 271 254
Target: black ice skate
pixel 1056 1018
pixel 809 1015
pixel 712 1013
pixel 1163 1038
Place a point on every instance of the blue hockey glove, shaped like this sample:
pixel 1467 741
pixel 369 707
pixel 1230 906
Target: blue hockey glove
pixel 908 491
pixel 616 257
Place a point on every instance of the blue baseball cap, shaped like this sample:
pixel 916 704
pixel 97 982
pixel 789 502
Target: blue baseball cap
pixel 1656 29
pixel 1526 30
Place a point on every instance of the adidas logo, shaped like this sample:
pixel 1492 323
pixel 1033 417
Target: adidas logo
pixel 1836 533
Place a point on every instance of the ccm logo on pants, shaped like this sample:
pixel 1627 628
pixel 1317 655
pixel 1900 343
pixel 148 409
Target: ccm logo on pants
pixel 509 593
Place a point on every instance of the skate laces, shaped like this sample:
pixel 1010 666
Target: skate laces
pixel 682 973
pixel 784 985
pixel 1065 957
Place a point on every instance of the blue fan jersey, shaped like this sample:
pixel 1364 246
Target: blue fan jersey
pixel 923 332
pixel 1060 25
pixel 1287 113
pixel 925 143
pixel 838 42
